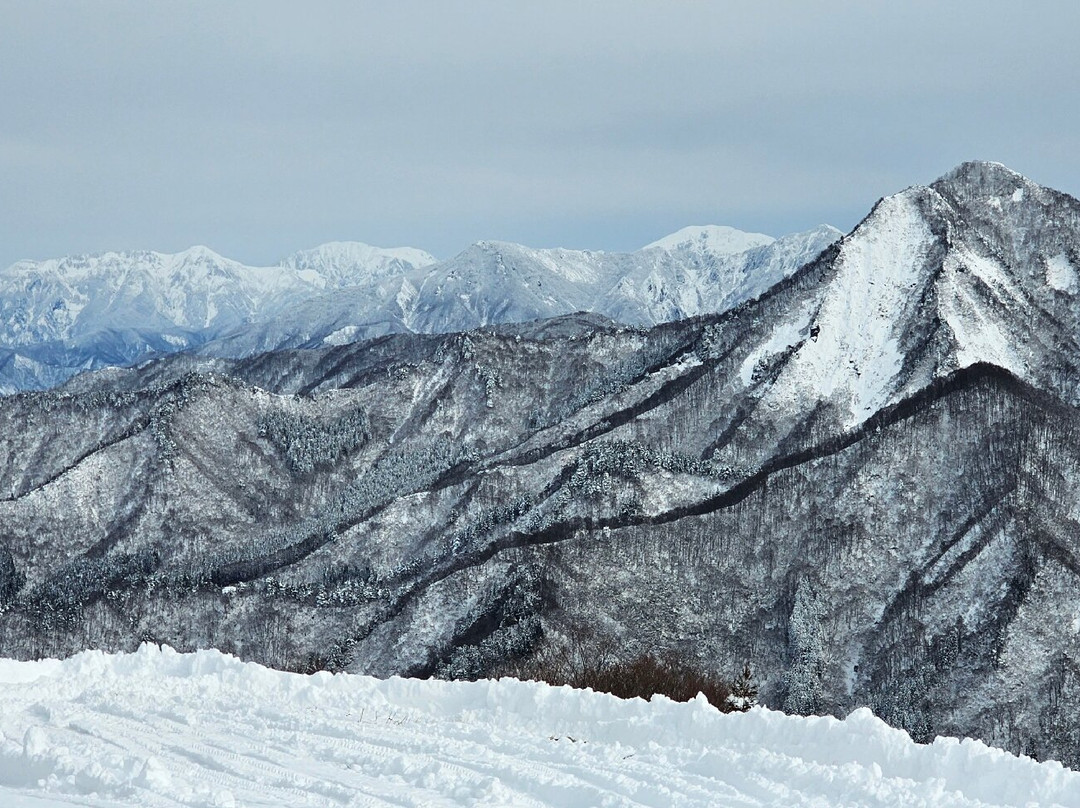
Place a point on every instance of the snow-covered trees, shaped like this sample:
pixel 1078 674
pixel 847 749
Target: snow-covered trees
pixel 308 443
pixel 11 579
pixel 806 673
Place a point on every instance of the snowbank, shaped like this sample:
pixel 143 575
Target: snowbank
pixel 159 728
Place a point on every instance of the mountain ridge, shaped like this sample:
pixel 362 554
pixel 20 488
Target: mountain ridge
pixel 61 313
pixel 860 480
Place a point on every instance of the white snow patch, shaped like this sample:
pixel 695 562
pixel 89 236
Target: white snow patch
pixel 980 335
pixel 407 293
pixel 1018 194
pixel 24 363
pixel 784 336
pixel 342 336
pixel 856 356
pixel 174 340
pixel 158 728
pixel 1061 274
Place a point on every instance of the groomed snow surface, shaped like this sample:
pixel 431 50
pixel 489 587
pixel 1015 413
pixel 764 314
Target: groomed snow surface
pixel 159 728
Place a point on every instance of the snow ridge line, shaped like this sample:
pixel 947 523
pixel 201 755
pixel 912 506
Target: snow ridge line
pixel 159 728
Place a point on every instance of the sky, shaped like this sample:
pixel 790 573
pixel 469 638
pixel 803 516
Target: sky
pixel 260 128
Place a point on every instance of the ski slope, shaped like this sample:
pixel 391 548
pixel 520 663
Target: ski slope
pixel 159 728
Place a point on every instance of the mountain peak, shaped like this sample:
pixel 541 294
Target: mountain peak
pixel 198 252
pixel 821 231
pixel 349 255
pixel 716 239
pixel 981 178
pixel 938 278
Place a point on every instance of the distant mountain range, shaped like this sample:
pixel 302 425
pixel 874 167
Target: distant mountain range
pixel 60 317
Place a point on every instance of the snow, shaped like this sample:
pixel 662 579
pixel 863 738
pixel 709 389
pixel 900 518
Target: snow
pixel 356 262
pixel 717 239
pixel 1061 274
pixel 158 728
pixel 342 336
pixel 787 334
pixel 876 276
pixel 856 357
pixel 194 289
pixel 980 336
pixel 229 309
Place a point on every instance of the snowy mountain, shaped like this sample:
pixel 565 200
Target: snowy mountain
pixel 862 481
pixel 63 316
pixel 712 239
pixel 88 312
pixel 974 269
pixel 157 728
pixel 353 263
pixel 696 271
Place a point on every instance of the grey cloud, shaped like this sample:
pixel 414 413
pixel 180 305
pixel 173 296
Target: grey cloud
pixel 262 127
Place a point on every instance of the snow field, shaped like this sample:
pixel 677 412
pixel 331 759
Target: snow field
pixel 159 728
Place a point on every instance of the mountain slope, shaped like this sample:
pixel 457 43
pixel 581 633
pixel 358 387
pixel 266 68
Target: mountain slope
pixel 849 481
pixel 353 263
pixel 935 279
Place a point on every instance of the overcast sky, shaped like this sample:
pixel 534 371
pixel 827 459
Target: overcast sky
pixel 258 128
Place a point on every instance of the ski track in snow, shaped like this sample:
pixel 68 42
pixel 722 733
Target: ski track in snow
pixel 158 728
